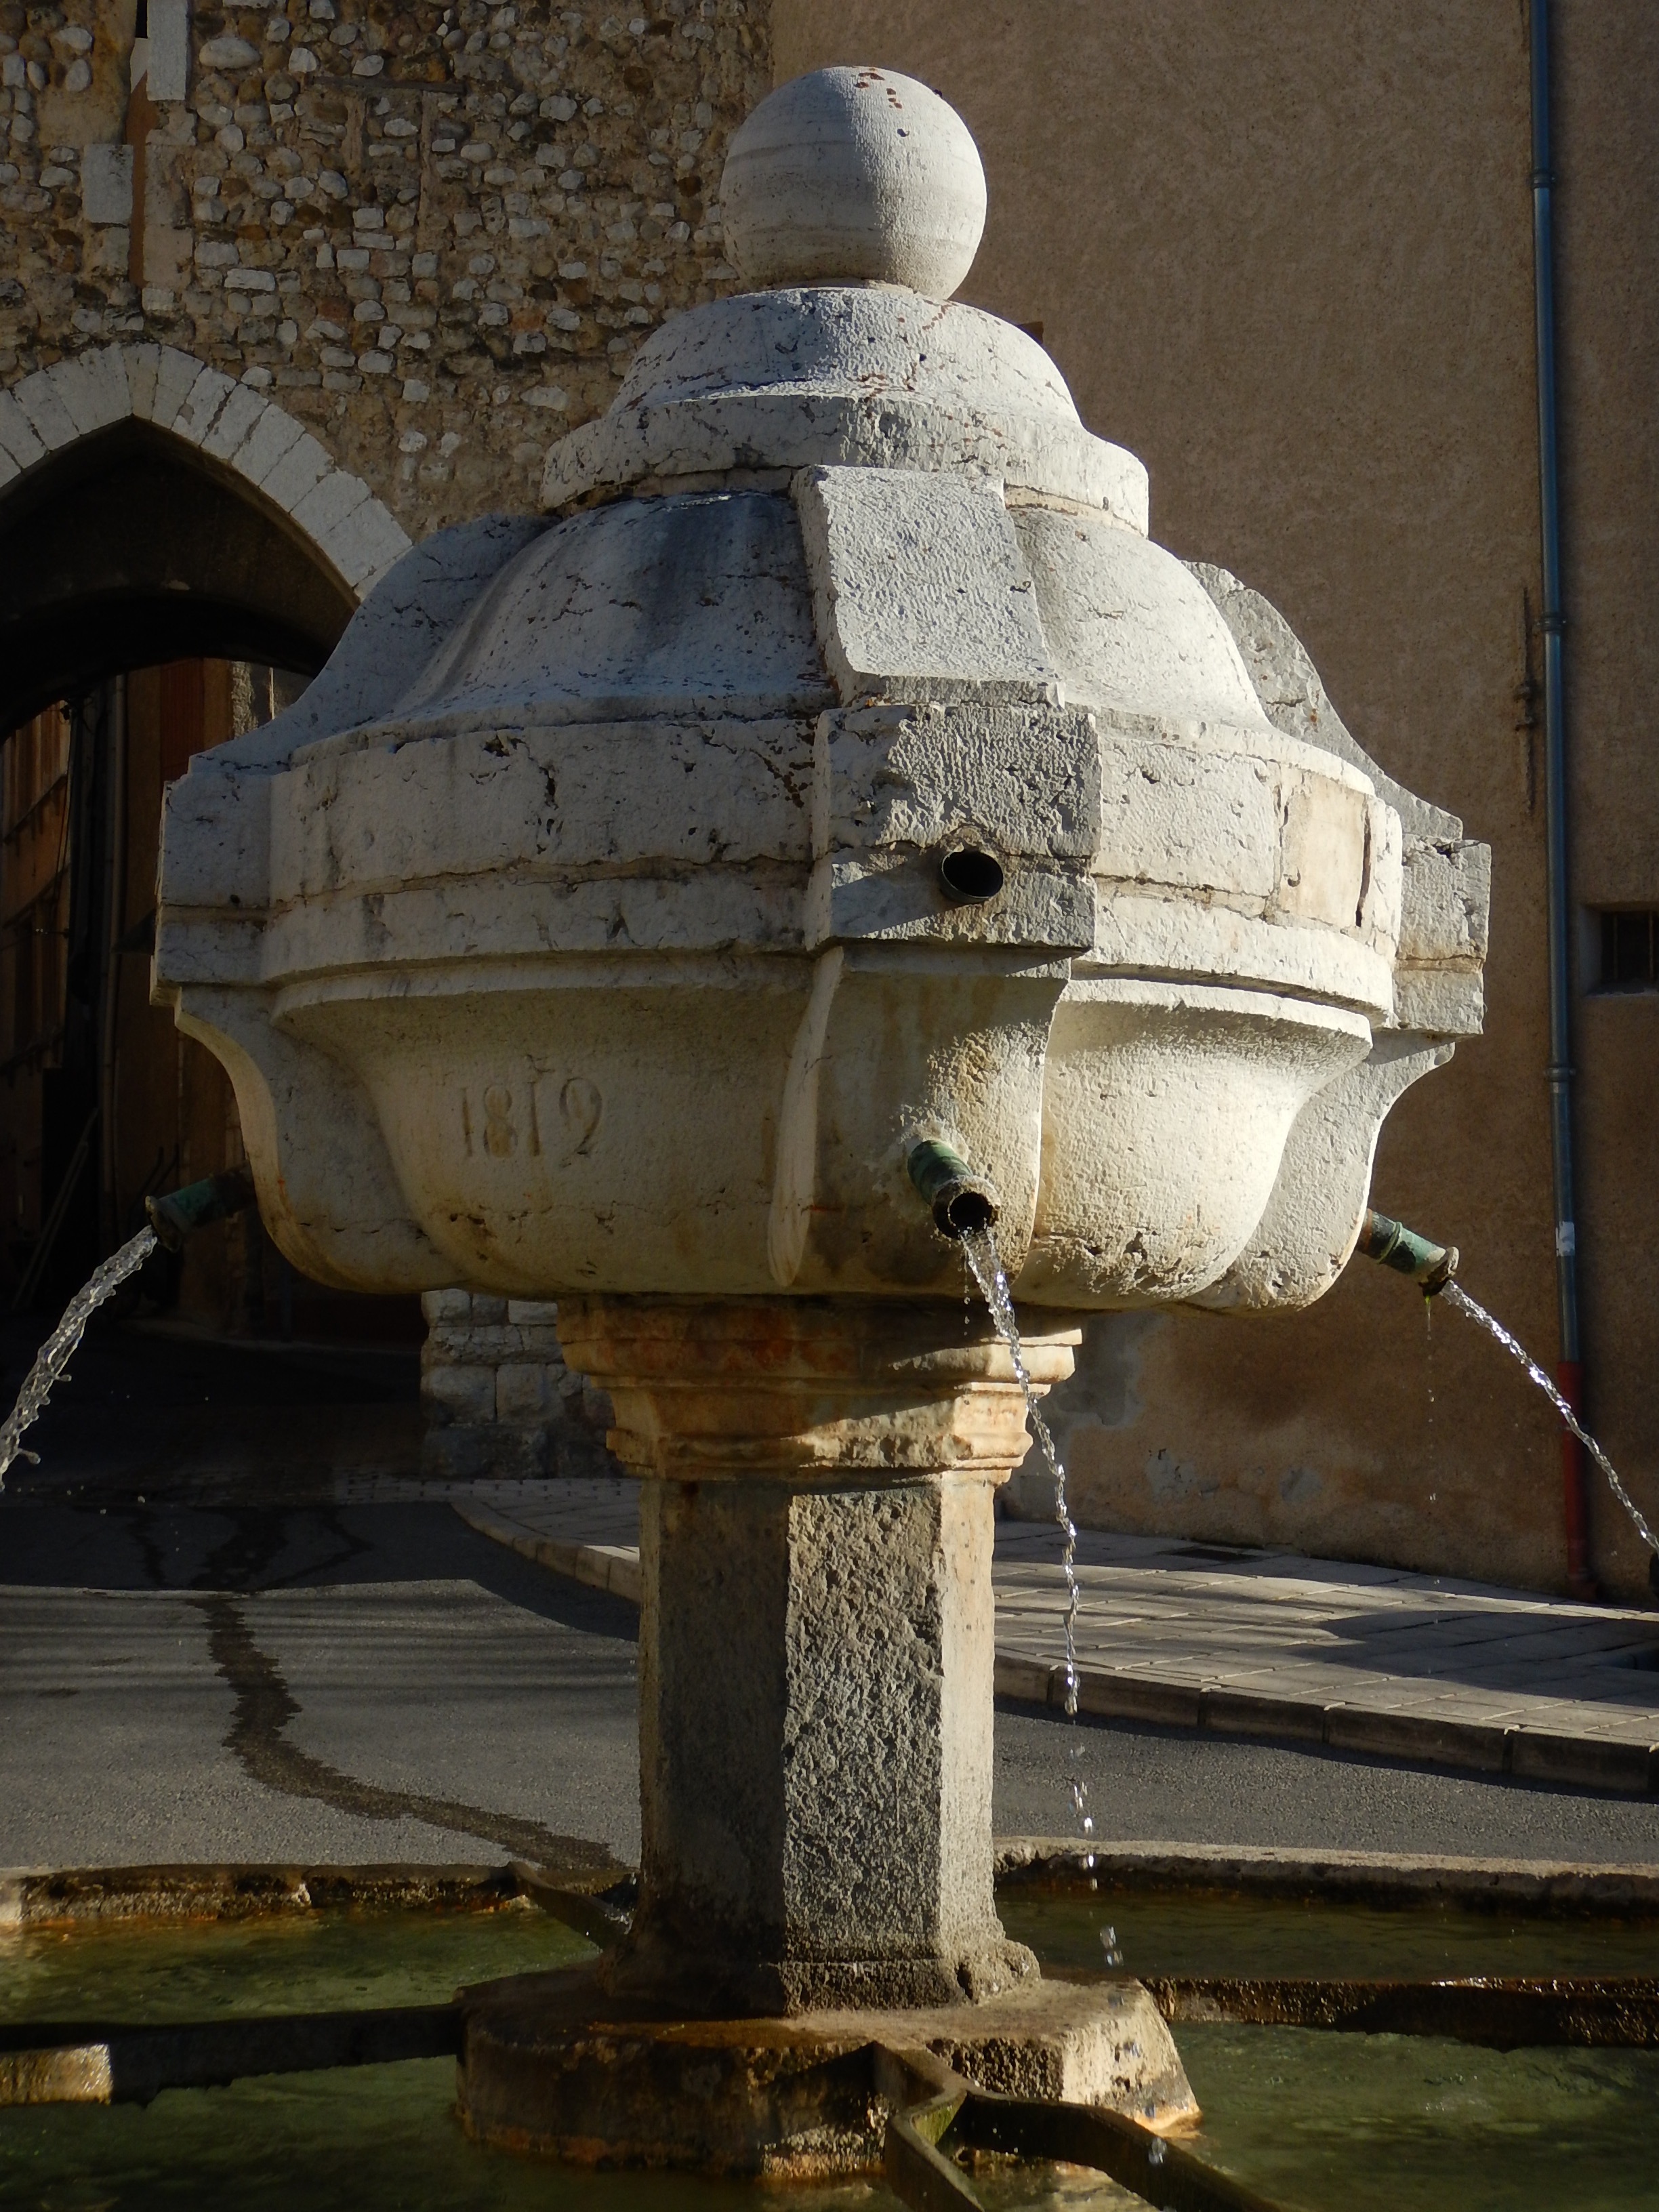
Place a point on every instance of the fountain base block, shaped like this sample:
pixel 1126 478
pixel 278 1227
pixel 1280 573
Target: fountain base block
pixel 555 2064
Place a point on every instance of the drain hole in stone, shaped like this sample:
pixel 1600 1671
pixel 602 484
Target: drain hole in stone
pixel 969 876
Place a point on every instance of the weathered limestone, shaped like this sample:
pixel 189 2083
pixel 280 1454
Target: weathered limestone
pixel 500 1400
pixel 1305 1235
pixel 554 2064
pixel 817 1512
pixel 855 172
pixel 836 376
pixel 840 766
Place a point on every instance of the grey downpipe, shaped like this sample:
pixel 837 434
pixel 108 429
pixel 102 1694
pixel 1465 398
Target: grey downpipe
pixel 1570 1374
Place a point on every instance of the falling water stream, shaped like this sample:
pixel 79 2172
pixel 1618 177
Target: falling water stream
pixel 1477 1312
pixel 59 1347
pixel 985 1262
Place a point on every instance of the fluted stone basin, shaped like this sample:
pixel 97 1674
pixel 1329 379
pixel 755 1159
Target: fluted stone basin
pixel 661 820
pixel 837 763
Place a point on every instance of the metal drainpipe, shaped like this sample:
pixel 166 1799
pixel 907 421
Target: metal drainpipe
pixel 1569 1373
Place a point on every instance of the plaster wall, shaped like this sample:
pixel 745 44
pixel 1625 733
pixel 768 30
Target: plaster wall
pixel 1284 255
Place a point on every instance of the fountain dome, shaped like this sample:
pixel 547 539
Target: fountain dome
pixel 587 925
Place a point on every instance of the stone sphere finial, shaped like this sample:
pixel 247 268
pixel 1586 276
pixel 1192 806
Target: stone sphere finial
pixel 853 175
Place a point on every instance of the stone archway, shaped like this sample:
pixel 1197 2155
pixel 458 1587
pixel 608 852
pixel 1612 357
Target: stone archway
pixel 151 509
pixel 162 526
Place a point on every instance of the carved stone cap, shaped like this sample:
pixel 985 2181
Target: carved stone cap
pixel 853 201
pixel 854 175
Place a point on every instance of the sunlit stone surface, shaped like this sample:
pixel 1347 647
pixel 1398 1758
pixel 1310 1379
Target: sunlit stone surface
pixel 838 764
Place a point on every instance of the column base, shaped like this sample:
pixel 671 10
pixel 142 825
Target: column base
pixel 555 2064
pixel 658 1971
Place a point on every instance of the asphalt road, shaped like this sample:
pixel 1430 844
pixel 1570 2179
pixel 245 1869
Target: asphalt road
pixel 349 1684
pixel 323 1684
pixel 1157 1785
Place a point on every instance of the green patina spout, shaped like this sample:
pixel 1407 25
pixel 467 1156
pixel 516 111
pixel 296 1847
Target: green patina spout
pixel 181 1212
pixel 1433 1266
pixel 959 1199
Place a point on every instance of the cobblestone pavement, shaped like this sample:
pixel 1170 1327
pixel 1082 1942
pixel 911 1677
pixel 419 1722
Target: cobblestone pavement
pixel 1370 1660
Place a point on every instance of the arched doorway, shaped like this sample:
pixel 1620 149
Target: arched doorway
pixel 171 572
pixel 128 549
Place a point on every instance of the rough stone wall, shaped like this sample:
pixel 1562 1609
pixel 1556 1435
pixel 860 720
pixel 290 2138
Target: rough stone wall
pixel 499 1399
pixel 436 235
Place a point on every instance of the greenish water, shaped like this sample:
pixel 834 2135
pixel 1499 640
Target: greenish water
pixel 368 2140
pixel 317 1962
pixel 1375 2123
pixel 1175 1934
pixel 1319 2123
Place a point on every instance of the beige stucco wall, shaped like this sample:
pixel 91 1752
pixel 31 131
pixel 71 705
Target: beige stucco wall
pixel 1284 253
pixel 1607 74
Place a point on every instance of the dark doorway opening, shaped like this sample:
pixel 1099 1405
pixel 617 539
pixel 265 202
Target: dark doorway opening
pixel 150 607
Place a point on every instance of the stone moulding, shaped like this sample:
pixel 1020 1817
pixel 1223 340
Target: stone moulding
pixel 846 377
pixel 277 457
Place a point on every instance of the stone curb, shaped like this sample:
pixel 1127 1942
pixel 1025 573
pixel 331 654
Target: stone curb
pixel 37 1897
pixel 1544 1885
pixel 1579 1762
pixel 40 1897
pixel 613 1567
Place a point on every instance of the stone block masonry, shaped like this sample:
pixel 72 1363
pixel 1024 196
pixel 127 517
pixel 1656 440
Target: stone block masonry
pixel 435 235
pixel 500 1400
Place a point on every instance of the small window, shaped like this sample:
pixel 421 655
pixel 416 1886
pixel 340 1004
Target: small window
pixel 1629 949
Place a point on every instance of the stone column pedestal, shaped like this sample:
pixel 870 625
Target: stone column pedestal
pixel 816 1656
pixel 817 1642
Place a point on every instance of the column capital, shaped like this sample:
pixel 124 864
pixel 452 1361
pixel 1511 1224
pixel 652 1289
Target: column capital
pixel 836 1391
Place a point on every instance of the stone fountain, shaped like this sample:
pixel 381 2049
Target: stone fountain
pixel 835 765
